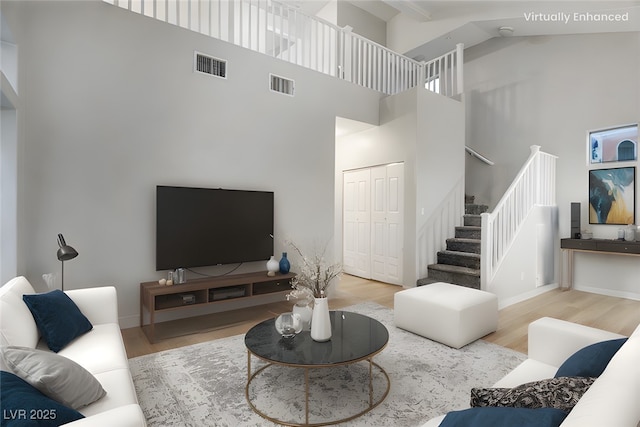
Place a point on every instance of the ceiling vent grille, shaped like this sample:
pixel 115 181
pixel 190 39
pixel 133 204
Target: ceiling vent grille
pixel 282 85
pixel 210 65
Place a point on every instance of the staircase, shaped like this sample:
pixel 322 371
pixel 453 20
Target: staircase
pixel 460 262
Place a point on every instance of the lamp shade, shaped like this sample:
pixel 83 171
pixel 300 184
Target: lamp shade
pixel 65 252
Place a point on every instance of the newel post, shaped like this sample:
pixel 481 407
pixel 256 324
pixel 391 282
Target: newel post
pixel 346 56
pixel 460 68
pixel 537 175
pixel 486 250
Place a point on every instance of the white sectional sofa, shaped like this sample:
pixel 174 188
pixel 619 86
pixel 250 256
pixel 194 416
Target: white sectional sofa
pixel 100 351
pixel 612 400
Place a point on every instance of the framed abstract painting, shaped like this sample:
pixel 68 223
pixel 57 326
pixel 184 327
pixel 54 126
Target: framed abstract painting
pixel 612 196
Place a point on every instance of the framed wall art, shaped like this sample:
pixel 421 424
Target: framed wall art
pixel 617 144
pixel 612 196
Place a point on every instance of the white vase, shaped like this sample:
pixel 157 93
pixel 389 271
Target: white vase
pixel 320 321
pixel 630 233
pixel 272 266
pixel 305 311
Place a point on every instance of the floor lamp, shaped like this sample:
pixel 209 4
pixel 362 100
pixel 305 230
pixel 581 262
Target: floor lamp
pixel 65 253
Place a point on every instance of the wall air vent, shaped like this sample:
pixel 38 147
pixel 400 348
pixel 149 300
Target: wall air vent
pixel 210 65
pixel 282 85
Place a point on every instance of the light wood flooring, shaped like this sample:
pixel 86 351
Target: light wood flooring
pixel 609 313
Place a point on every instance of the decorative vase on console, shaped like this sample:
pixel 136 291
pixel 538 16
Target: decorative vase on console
pixel 272 266
pixel 285 266
pixel 630 234
pixel 320 321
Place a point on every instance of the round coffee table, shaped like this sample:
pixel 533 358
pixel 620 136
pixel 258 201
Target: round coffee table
pixel 354 338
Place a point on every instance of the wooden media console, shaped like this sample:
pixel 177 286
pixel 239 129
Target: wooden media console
pixel 221 290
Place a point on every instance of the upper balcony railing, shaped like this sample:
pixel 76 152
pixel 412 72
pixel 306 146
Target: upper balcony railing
pixel 284 32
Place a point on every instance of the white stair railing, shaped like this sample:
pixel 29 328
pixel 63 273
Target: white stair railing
pixel 534 185
pixel 371 65
pixel 478 156
pixel 284 32
pixel 444 75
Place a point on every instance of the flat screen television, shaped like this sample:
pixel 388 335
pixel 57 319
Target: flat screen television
pixel 197 227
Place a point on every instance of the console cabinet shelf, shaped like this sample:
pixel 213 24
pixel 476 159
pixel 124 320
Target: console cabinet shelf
pixel 613 247
pixel 156 298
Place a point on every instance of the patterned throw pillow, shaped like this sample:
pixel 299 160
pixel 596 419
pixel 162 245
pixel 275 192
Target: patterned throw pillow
pixel 560 393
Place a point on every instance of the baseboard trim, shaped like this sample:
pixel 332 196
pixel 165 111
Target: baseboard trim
pixel 525 296
pixel 127 322
pixel 608 292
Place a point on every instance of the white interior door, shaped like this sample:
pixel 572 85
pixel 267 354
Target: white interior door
pixel 373 223
pixel 387 203
pixel 357 223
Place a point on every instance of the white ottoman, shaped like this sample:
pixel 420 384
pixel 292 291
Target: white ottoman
pixel 450 314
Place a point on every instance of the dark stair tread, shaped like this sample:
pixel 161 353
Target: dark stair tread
pixel 464 240
pixel 475 208
pixel 459 253
pixel 464 245
pixel 427 281
pixel 472 220
pixel 459 258
pixel 455 269
pixel 468 232
pixel 472 216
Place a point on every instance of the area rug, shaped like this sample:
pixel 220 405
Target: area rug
pixel 204 384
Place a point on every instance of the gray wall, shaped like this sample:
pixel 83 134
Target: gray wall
pixel 362 22
pixel 550 91
pixel 112 108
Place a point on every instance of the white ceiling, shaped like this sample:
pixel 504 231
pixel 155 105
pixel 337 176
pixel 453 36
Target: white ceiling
pixel 486 17
pixel 474 21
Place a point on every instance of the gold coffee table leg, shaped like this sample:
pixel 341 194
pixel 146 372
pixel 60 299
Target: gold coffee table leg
pixel 370 383
pixel 248 366
pixel 306 395
pixel 306 423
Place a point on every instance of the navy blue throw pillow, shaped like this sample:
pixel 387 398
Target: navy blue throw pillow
pixel 590 361
pixel 59 319
pixel 491 416
pixel 23 405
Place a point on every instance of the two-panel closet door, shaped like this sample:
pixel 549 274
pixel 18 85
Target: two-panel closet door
pixel 373 222
pixel 356 241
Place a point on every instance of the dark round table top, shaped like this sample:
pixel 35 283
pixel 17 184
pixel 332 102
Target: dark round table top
pixel 354 337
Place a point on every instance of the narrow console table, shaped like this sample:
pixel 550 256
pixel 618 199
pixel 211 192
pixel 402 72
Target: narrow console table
pixel 616 247
pixel 156 298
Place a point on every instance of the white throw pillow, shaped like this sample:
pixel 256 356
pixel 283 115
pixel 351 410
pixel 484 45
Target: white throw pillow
pixel 57 377
pixel 17 326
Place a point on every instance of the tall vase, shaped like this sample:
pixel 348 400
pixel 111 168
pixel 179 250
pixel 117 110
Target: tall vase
pixel 320 321
pixel 285 266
